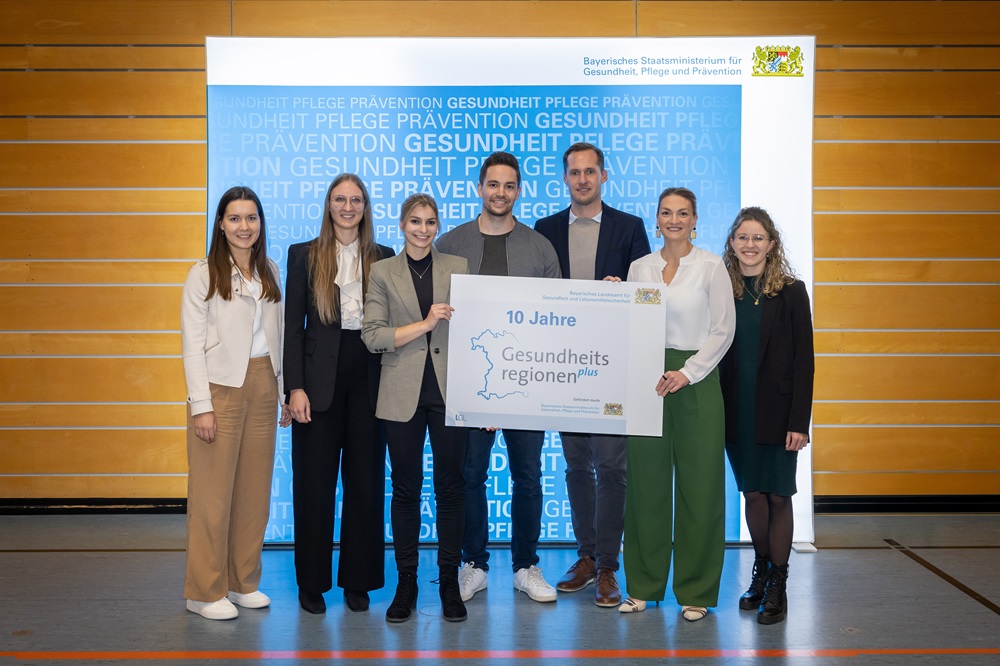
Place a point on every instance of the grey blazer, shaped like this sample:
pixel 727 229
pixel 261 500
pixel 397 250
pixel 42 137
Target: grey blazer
pixel 391 303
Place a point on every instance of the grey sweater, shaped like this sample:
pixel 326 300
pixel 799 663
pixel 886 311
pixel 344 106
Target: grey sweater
pixel 529 254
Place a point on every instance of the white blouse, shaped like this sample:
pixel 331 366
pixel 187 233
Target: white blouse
pixel 348 279
pixel 254 289
pixel 701 312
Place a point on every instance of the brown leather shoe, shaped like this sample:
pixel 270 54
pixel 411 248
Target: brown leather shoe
pixel 607 594
pixel 579 576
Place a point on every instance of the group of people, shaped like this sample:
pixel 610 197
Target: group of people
pixel 356 356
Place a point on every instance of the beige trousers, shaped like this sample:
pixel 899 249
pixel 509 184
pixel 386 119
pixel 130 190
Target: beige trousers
pixel 229 487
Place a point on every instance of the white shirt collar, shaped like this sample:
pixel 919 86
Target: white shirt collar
pixel 597 218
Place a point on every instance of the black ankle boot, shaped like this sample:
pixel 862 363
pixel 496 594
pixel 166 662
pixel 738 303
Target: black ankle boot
pixel 452 606
pixel 775 603
pixel 755 593
pixel 405 600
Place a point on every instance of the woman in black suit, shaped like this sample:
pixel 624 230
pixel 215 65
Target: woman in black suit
pixel 767 384
pixel 331 380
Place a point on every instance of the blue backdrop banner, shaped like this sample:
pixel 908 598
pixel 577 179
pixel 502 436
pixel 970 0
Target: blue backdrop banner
pixel 415 116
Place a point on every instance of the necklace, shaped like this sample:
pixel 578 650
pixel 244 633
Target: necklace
pixel 756 297
pixel 422 273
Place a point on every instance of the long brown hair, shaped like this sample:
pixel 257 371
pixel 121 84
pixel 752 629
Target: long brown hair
pixel 323 253
pixel 776 274
pixel 220 263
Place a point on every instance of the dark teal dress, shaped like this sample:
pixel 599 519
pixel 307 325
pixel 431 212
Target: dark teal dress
pixel 757 467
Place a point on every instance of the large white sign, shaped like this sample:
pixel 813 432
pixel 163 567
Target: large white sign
pixel 567 355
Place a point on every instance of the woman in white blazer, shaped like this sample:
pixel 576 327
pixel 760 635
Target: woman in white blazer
pixel 231 329
pixel 406 320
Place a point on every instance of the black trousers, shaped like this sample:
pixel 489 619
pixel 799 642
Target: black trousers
pixel 345 439
pixel 406 453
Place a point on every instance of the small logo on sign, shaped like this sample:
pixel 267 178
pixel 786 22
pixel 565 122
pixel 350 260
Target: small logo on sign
pixel 777 61
pixel 647 296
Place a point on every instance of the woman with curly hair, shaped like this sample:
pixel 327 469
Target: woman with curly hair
pixel 767 384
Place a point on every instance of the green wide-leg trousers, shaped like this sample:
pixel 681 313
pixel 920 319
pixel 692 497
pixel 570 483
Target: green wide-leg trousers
pixel 679 478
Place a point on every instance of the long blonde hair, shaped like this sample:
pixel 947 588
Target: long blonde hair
pixel 776 274
pixel 323 253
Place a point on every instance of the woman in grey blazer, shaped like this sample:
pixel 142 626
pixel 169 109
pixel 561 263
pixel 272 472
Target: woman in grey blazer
pixel 406 320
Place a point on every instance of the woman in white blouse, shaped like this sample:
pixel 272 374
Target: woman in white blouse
pixel 675 496
pixel 231 327
pixel 332 384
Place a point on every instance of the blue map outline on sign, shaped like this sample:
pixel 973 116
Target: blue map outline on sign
pixel 478 346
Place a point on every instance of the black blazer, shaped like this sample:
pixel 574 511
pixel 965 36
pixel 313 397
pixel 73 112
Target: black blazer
pixel 785 368
pixel 311 347
pixel 621 240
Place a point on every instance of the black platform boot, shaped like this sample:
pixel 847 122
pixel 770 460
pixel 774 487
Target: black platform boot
pixel 405 600
pixel 755 593
pixel 775 604
pixel 452 606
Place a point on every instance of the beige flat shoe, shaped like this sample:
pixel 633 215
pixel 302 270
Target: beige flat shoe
pixel 631 605
pixel 693 613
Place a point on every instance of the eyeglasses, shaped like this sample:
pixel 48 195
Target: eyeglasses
pixel 756 239
pixel 340 201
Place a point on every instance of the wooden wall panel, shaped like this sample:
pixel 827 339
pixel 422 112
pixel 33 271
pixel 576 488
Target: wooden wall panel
pixel 113 21
pixel 482 18
pixel 81 308
pixel 907 306
pixel 886 270
pixel 103 129
pixel 905 236
pixel 124 416
pixel 165 343
pixel 60 486
pixel 126 380
pixel 907 378
pixel 905 483
pixel 912 129
pixel 102 201
pixel 103 57
pixel 94 451
pixel 104 236
pixel 94 272
pixel 877 23
pixel 906 164
pixel 905 93
pixel 934 412
pixel 102 182
pixel 957 201
pixel 105 165
pixel 900 449
pixel 894 58
pixel 57 93
pixel 832 341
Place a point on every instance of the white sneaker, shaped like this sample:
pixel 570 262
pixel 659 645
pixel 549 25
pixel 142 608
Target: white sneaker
pixel 471 580
pixel 256 599
pixel 531 582
pixel 213 610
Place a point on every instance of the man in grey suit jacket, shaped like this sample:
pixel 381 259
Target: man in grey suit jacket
pixel 594 241
pixel 495 243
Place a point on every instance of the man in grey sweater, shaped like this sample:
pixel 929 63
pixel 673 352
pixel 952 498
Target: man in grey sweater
pixel 495 243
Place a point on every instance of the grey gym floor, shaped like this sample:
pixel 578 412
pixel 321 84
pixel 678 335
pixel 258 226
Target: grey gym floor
pixel 885 589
